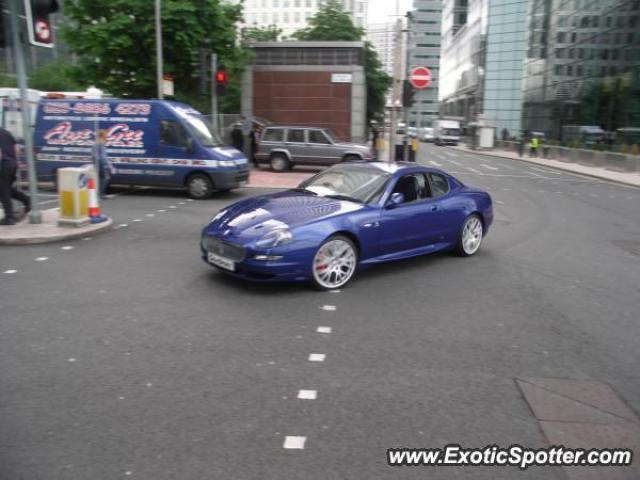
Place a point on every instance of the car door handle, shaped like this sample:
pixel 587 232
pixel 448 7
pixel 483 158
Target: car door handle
pixel 434 208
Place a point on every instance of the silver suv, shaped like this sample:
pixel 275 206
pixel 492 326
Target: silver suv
pixel 285 146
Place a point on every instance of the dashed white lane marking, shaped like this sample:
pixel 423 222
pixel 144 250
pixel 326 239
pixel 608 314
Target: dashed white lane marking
pixel 308 394
pixel 544 170
pixel 499 202
pixel 434 163
pixel 161 211
pixel 123 225
pixel 536 175
pixel 137 219
pixel 172 206
pixel 191 200
pixel 72 360
pixel 320 329
pixel 335 291
pixel 506 189
pixel 151 215
pixel 10 272
pixel 181 203
pixel 317 357
pixel 294 442
pixel 329 308
pixel 41 259
pixel 66 247
pixel 477 172
pixel 86 239
pixel 450 154
pixel 455 163
pixel 489 166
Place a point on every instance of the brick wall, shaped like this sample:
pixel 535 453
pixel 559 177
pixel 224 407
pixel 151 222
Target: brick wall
pixel 303 98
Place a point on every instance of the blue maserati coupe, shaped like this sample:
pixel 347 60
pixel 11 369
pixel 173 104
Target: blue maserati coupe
pixel 344 218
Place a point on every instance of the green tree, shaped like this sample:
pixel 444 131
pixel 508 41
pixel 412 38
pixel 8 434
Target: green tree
pixel 58 75
pixel 260 34
pixel 115 41
pixel 332 23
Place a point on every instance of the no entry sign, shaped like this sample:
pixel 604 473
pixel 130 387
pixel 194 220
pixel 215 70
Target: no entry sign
pixel 420 77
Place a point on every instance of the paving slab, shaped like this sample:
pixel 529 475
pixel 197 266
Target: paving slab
pixel 262 177
pixel 25 233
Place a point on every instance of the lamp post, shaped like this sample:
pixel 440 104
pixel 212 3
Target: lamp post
pixel 159 49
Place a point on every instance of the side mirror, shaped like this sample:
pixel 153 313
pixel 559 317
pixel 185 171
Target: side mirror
pixel 396 199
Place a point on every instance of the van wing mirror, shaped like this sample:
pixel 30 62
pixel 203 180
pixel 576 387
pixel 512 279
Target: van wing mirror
pixel 189 145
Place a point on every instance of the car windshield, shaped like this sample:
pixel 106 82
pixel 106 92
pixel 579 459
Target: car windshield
pixel 330 134
pixel 451 131
pixel 203 131
pixel 347 182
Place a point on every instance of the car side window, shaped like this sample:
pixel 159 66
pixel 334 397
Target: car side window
pixel 318 136
pixel 296 135
pixel 413 187
pixel 273 135
pixel 172 134
pixel 439 184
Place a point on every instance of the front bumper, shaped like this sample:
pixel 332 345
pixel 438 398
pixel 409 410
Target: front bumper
pixel 224 179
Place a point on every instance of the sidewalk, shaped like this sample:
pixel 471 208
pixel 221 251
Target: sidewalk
pixel 626 178
pixel 25 233
pixel 263 177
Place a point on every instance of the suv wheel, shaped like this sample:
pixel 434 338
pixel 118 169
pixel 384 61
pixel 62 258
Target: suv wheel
pixel 279 162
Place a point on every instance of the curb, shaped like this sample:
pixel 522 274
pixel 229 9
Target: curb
pixel 554 167
pixel 99 228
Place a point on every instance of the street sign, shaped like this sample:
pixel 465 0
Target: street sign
pixel 167 85
pixel 420 77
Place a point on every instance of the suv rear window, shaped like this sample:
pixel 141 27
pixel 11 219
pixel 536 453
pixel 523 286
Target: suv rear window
pixel 273 135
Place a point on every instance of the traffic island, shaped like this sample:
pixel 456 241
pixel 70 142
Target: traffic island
pixel 25 233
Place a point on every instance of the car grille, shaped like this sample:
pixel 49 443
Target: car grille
pixel 224 249
pixel 242 177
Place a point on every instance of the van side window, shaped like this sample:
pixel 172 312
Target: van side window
pixel 318 136
pixel 273 135
pixel 439 184
pixel 172 133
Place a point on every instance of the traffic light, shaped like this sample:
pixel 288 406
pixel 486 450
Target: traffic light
pixel 408 92
pixel 221 81
pixel 39 21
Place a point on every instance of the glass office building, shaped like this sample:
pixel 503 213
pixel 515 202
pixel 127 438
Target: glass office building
pixel 539 64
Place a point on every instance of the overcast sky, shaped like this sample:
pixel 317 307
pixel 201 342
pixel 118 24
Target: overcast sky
pixel 384 10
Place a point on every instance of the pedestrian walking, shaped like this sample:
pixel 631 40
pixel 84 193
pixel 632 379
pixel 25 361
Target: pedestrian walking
pixel 254 147
pixel 533 146
pixel 505 134
pixel 8 174
pixel 102 162
pixel 237 137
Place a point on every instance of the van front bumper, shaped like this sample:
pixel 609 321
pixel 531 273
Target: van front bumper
pixel 229 179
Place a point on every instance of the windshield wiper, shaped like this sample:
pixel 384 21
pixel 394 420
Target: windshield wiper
pixel 344 197
pixel 304 190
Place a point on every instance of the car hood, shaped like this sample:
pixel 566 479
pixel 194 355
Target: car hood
pixel 252 218
pixel 355 146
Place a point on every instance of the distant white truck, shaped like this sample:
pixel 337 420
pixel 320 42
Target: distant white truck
pixel 446 132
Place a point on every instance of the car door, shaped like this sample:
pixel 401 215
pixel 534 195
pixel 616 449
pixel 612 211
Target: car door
pixel 295 143
pixel 321 149
pixel 447 223
pixel 172 148
pixel 412 223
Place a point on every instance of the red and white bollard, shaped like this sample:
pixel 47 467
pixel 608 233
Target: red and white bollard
pixel 94 207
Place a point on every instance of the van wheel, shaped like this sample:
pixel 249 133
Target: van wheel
pixel 199 186
pixel 279 163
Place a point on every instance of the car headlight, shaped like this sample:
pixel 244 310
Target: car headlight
pixel 227 163
pixel 276 237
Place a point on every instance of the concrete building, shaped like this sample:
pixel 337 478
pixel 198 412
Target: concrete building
pixel 424 50
pixel 382 37
pixel 292 15
pixel 527 65
pixel 308 83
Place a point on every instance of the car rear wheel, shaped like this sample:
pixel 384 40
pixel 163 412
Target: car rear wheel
pixel 470 236
pixel 199 186
pixel 279 163
pixel 335 262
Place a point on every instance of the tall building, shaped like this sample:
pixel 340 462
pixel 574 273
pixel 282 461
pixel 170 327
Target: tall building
pixel 292 15
pixel 536 64
pixel 424 41
pixel 382 37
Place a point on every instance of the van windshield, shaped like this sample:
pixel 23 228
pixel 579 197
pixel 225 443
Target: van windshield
pixel 203 130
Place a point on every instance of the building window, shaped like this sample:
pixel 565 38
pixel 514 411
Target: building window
pixel 603 71
pixel 569 70
pixel 563 20
pixel 559 52
pixel 604 54
pixel 558 70
pixel 561 37
pixel 579 71
pixel 584 23
pixel 613 71
pixel 620 22
pixel 571 52
pixel 594 22
pixel 633 21
pixel 296 17
pixel 604 38
pixel 581 53
pixel 615 54
pixel 630 37
pixel 574 37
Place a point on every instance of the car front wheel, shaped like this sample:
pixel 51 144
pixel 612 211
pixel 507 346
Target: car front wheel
pixel 279 163
pixel 470 236
pixel 334 263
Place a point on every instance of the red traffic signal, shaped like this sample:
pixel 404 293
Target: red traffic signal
pixel 38 21
pixel 221 76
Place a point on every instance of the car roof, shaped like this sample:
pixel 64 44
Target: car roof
pixel 396 167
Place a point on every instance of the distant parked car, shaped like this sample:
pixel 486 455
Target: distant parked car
pixel 426 134
pixel 413 132
pixel 282 147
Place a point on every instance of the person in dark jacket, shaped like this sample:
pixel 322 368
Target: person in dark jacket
pixel 237 137
pixel 101 159
pixel 8 172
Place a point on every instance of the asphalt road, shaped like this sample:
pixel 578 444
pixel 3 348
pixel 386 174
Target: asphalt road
pixel 127 357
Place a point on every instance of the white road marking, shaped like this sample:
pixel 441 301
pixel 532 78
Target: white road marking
pixel 181 203
pixel 544 170
pixel 86 239
pixel 320 329
pixel 172 206
pixel 66 247
pixel 450 154
pixel 10 272
pixel 72 360
pixel 128 472
pixel 161 211
pixel 335 291
pixel 41 259
pixel 489 166
pixel 317 357
pixel 559 193
pixel 151 215
pixel 48 201
pixel 191 200
pixel 499 202
pixel 477 172
pixel 122 225
pixel 137 219
pixel 294 443
pixel 434 163
pixel 308 394
pixel 537 175
pixel 329 308
pixel 455 163
pixel 506 189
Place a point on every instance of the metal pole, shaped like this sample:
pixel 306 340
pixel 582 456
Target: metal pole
pixel 214 93
pixel 34 216
pixel 159 50
pixel 395 91
pixel 418 125
pixel 406 76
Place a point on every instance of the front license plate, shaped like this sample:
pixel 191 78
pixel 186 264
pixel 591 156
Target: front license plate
pixel 221 262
